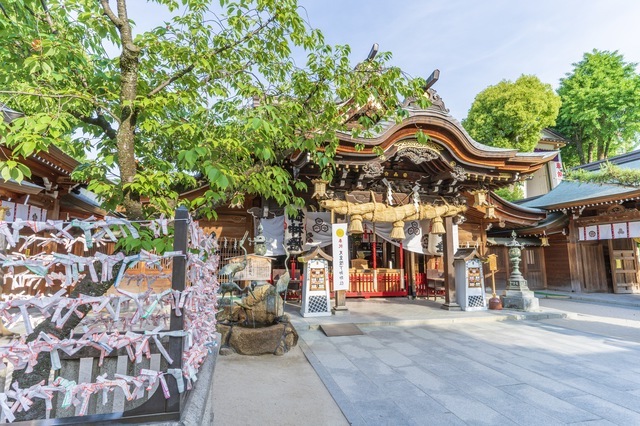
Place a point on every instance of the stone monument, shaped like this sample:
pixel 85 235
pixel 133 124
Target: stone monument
pixel 517 294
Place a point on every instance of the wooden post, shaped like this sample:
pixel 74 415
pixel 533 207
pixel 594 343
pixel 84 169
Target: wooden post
pixel 178 282
pixel 450 301
pixel 412 274
pixel 575 257
pixel 402 281
pixel 3 245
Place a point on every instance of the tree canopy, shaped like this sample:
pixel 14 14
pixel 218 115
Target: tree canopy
pixel 211 97
pixel 512 114
pixel 600 111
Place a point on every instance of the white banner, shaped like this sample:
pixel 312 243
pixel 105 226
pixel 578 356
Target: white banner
pixel 556 173
pixel 417 237
pixel 318 229
pixel 591 233
pixel 340 256
pixel 620 230
pixel 22 212
pixel 609 231
pixel 273 231
pixel 604 232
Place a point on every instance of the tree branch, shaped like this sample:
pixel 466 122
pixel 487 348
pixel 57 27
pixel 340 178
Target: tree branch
pixel 47 16
pixel 67 96
pixel 221 49
pixel 98 121
pixel 112 16
pixel 170 80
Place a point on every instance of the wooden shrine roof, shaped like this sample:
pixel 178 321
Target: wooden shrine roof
pixel 450 158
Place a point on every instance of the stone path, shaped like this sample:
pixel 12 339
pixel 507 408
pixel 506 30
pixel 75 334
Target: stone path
pixel 520 372
pixel 416 364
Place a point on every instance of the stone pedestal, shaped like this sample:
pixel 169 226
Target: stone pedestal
pixel 451 306
pixel 520 300
pixel 341 303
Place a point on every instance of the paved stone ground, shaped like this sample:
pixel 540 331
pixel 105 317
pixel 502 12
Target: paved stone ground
pixel 419 365
pixel 271 390
pixel 520 372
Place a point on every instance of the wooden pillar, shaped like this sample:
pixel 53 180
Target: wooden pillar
pixel 575 257
pixel 402 282
pixel 54 214
pixel 412 275
pixel 450 300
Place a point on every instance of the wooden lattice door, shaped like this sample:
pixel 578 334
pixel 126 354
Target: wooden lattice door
pixel 624 266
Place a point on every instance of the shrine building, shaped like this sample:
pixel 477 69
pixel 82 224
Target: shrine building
pixel 409 204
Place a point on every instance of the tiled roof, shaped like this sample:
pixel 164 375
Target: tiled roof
pixel 550 135
pixel 630 160
pixel 8 115
pixel 571 193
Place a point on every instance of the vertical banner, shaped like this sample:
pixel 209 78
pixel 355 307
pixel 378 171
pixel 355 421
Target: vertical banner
pixel 294 236
pixel 556 171
pixel 340 256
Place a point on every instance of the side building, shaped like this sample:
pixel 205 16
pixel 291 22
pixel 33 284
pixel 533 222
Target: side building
pixel 591 233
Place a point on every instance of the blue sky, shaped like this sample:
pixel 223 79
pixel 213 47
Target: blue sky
pixel 477 43
pixel 474 43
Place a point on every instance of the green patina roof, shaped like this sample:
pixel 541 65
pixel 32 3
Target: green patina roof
pixel 570 193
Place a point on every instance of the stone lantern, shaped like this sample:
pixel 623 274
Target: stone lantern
pixel 517 294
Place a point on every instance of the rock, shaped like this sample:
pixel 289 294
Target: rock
pixel 226 351
pixel 275 339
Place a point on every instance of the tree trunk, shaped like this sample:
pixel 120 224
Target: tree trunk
pixel 580 150
pixel 125 139
pixel 589 154
pixel 601 149
pixel 579 140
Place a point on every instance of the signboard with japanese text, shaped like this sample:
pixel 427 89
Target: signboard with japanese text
pixel 294 236
pixel 340 256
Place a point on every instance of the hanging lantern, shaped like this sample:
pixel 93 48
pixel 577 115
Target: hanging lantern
pixel 437 227
pixel 319 188
pixel 490 212
pixel 544 240
pixel 397 233
pixel 480 198
pixel 355 225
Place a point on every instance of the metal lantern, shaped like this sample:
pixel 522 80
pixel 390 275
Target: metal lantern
pixel 490 213
pixel 544 240
pixel 480 198
pixel 319 188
